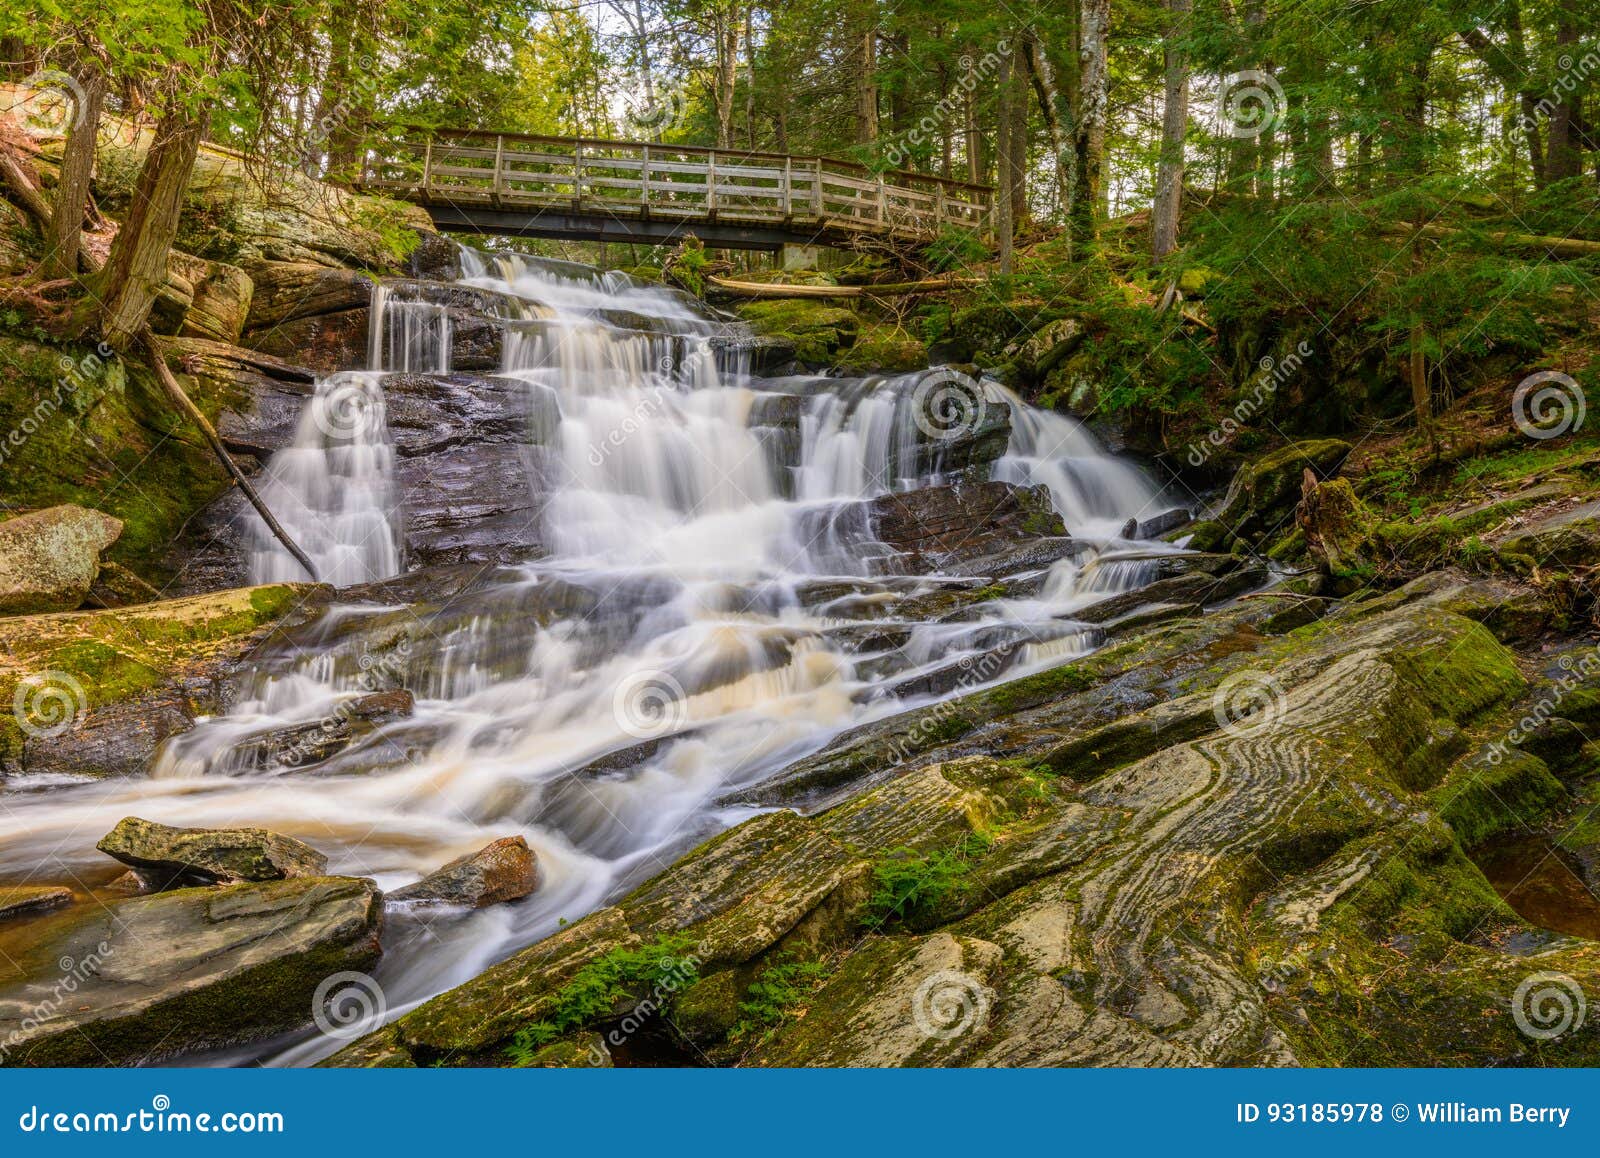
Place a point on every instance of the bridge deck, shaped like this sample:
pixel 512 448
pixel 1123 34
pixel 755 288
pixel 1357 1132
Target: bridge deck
pixel 644 191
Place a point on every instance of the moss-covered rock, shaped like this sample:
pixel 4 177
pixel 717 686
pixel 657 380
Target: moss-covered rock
pixel 819 332
pixel 50 559
pixel 97 691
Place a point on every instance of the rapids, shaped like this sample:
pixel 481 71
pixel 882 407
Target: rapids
pixel 684 540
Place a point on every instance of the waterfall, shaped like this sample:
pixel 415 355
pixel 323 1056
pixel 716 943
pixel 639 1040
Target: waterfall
pixel 705 558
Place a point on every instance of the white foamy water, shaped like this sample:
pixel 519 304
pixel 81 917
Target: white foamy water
pixel 705 553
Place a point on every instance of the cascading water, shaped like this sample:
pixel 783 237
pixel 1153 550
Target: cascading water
pixel 688 609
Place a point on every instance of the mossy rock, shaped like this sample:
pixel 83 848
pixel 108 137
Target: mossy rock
pixel 100 689
pixel 884 349
pixel 819 331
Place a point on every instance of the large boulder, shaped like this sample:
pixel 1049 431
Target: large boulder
pixel 166 856
pixel 506 870
pixel 49 558
pixel 818 332
pixel 141 980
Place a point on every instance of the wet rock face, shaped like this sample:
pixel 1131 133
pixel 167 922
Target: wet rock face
pixel 506 870
pixel 168 857
pixel 966 528
pixel 142 980
pixel 1261 500
pixel 29 900
pixel 49 559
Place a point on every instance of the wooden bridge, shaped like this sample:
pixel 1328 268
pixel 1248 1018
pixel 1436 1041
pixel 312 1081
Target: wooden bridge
pixel 598 190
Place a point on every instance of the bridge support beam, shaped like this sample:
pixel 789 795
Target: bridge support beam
pixel 578 226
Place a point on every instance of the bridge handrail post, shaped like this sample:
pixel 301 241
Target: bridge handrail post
pixel 499 160
pixel 816 190
pixel 644 179
pixel 577 174
pixel 788 187
pixel 711 182
pixel 883 202
pixel 427 165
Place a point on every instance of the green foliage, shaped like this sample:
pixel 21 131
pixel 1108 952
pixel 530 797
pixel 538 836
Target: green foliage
pixel 775 995
pixel 661 968
pixel 954 249
pixel 912 888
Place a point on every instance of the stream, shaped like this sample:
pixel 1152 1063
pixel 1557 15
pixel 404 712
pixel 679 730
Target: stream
pixel 705 569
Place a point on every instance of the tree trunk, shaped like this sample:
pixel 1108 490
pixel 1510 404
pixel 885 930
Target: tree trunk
pixel 1004 219
pixel 865 70
pixel 65 235
pixel 1089 134
pixel 727 36
pixel 1047 92
pixel 137 266
pixel 1174 126
pixel 1563 158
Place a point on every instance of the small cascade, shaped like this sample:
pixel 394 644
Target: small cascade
pixel 1095 492
pixel 408 336
pixel 333 489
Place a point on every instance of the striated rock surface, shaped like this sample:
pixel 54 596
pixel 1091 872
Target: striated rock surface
pixel 1206 845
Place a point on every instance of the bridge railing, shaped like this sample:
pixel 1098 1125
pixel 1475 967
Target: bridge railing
pixel 637 178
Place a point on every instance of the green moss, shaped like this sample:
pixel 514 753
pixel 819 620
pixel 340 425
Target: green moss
pixel 819 332
pixel 601 986
pixel 1497 798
